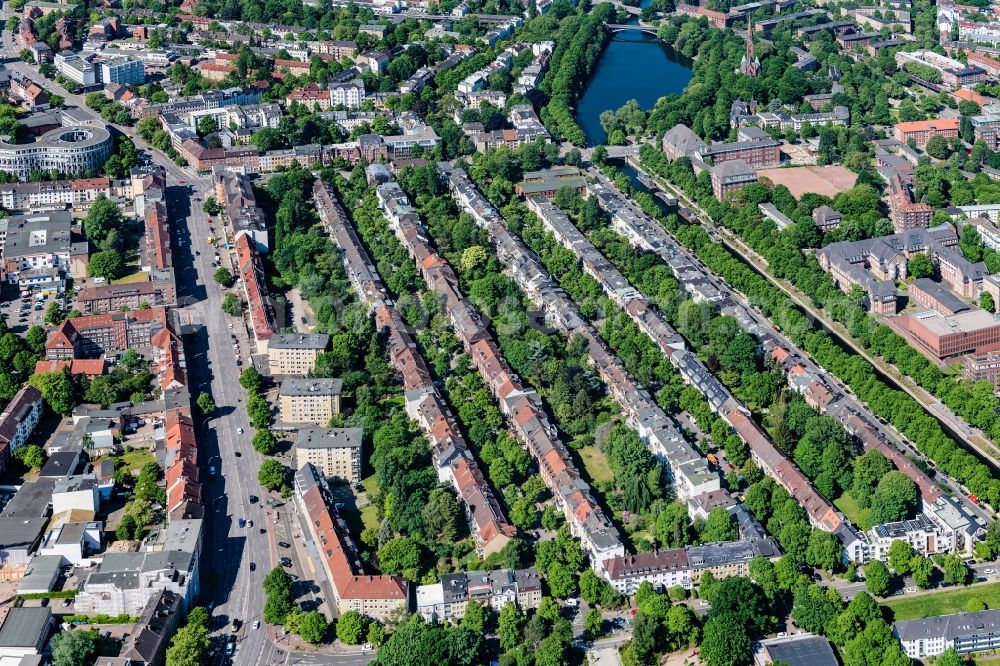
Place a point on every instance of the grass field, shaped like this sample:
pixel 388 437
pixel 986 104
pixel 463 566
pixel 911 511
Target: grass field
pixel 854 513
pixel 596 464
pixel 943 603
pixel 369 516
pixel 136 459
pixel 137 276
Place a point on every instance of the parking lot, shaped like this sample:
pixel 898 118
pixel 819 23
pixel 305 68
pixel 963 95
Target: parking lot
pixel 26 310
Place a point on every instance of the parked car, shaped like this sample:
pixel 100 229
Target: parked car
pixel 284 544
pixel 242 523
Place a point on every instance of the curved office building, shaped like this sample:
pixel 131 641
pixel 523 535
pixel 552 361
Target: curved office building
pixel 71 150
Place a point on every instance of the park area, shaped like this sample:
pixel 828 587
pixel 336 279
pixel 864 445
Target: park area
pixel 912 607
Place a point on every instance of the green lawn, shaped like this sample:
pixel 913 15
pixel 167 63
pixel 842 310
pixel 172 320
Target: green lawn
pixel 136 459
pixel 371 484
pixel 854 513
pixel 369 516
pixel 596 464
pixel 137 276
pixel 943 603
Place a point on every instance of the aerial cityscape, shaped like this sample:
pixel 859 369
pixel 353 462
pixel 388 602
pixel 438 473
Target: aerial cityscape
pixel 490 332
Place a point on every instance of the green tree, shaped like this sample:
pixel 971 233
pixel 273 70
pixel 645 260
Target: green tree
pixel 937 147
pixel 920 266
pixel 206 125
pixel 205 403
pixel 400 554
pixel 189 646
pixel 720 526
pixel 264 442
pixel 102 217
pixel 900 556
pixel 473 257
pixel 107 264
pixel 922 570
pixel 232 304
pixel 950 657
pixel 877 578
pixel 895 498
pixel 986 302
pixel 57 389
pixel 593 623
pixel 955 571
pixel 725 642
pixel 74 648
pixel 813 608
pixel 510 627
pixel 272 475
pixel 211 206
pixel 561 581
pixel 251 380
pixel 312 627
pixel 224 276
pixel 54 314
pixel 259 411
pixel 32 457
pixel 475 617
pixel 824 551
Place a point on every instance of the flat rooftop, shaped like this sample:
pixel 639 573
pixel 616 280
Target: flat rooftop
pixel 963 322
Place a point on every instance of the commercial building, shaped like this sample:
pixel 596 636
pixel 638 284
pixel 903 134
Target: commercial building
pixel 311 401
pixel 797 650
pixel 941 337
pixel 76 69
pixel 379 597
pixel 336 452
pixel 24 633
pixel 966 632
pixel 295 353
pixel 70 150
pixel 40 251
pixel 448 600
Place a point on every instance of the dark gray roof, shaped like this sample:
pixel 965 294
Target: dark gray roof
pixel 298 386
pixel 25 627
pixel 299 341
pixel 332 438
pixel 941 294
pixel 801 651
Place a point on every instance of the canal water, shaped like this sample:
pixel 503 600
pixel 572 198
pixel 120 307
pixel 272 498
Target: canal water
pixel 633 66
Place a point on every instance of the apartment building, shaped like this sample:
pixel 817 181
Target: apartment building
pixel 921 533
pixel 335 452
pixel 295 353
pixel 259 303
pixel 348 95
pixel 826 219
pixel 729 558
pixel 93 336
pixel 103 299
pixel 379 597
pixel 41 251
pixel 448 600
pixel 79 193
pixel 123 71
pixel 966 632
pixel 76 69
pixel 309 401
pixel 18 421
pixel 953 72
pixel 663 569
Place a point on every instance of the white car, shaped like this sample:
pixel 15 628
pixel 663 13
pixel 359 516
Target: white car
pixel 990 572
pixel 256 624
pixel 239 431
pixel 911 589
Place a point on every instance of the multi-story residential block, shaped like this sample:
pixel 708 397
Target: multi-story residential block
pixel 295 353
pixel 921 533
pixel 663 569
pixel 262 314
pixel 18 421
pixel 448 600
pixel 312 401
pixel 966 632
pixel 103 299
pixel 729 558
pixel 96 335
pixel 124 71
pixel 234 192
pixel 348 95
pixel 953 72
pixel 147 644
pixel 379 597
pixel 23 89
pixel 336 452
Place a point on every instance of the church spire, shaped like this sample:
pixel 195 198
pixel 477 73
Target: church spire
pixel 750 64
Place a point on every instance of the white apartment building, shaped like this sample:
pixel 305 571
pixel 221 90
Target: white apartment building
pixel 125 71
pixel 309 401
pixel 336 452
